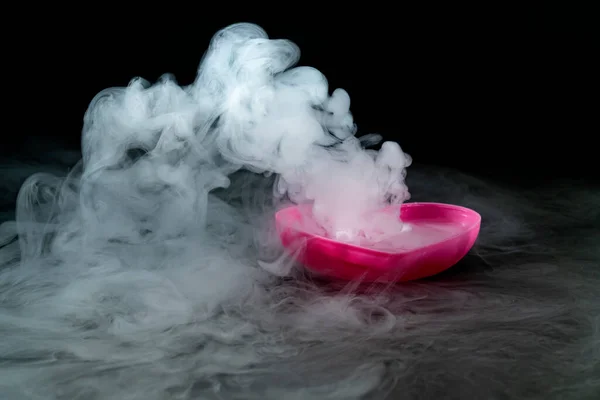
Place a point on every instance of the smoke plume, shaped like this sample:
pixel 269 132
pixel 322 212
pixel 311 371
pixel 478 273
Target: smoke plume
pixel 151 270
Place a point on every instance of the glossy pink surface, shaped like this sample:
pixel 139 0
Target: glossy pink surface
pixel 440 235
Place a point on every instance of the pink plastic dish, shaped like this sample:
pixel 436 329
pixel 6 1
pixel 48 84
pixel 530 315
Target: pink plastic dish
pixel 440 236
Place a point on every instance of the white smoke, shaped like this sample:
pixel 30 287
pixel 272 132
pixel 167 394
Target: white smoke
pixel 247 109
pixel 138 275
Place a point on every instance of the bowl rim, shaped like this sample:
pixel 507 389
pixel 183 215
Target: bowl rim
pixel 476 224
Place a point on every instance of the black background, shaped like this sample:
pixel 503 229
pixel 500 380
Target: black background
pixel 486 90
